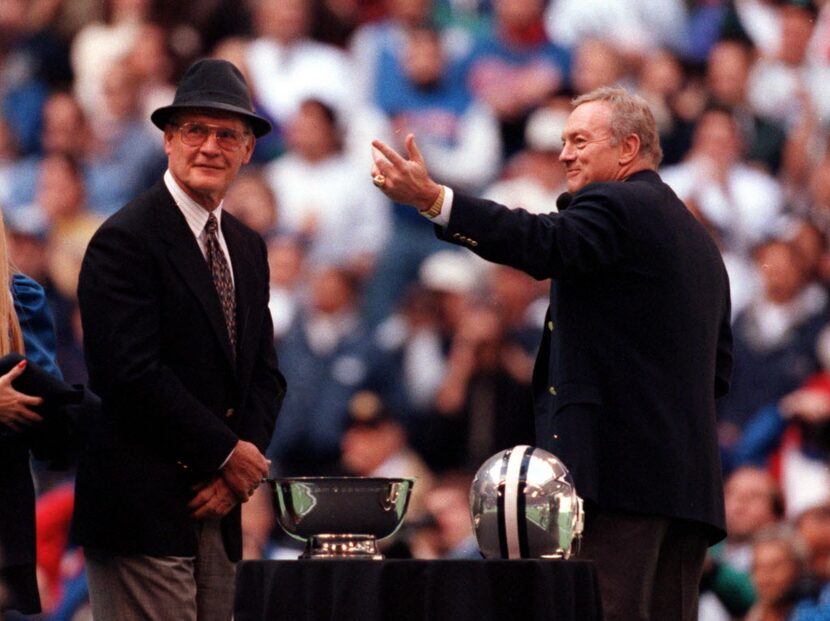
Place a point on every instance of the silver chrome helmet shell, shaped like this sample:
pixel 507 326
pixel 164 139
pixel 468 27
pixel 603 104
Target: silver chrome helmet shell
pixel 524 505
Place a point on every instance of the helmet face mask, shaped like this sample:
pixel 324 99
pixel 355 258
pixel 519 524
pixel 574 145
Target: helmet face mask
pixel 523 504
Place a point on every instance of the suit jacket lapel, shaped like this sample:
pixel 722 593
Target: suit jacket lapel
pixel 189 261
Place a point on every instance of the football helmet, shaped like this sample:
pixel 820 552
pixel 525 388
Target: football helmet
pixel 523 504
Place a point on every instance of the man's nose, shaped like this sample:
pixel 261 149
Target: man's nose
pixel 567 153
pixel 211 144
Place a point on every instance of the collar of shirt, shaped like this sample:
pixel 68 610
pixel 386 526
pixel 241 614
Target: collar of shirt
pixel 197 216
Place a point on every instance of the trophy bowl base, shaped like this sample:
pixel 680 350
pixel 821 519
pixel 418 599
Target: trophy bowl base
pixel 342 547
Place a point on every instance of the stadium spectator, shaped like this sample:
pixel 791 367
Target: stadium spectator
pixel 420 333
pixel 33 61
pixel 421 89
pixel 446 532
pixel 727 74
pixel 482 403
pixel 99 45
pixel 113 173
pixel 534 177
pixel 813 527
pixel 286 262
pixel 790 437
pixel 515 67
pixel 783 84
pixel 375 444
pixel 318 188
pixel 285 66
pixel 328 355
pixel 774 336
pixel 737 202
pixel 153 64
pixel 635 28
pixel 753 501
pixel 386 38
pixel 676 99
pixel 251 200
pixel 777 573
pixel 596 62
pixel 60 200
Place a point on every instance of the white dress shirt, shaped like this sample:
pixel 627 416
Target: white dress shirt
pixel 443 218
pixel 197 217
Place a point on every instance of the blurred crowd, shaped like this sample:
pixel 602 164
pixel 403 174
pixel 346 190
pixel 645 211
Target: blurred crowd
pixel 408 357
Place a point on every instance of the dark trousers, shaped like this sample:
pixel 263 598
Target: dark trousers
pixel 649 567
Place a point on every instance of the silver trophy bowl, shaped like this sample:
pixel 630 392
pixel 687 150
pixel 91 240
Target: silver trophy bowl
pixel 523 504
pixel 341 517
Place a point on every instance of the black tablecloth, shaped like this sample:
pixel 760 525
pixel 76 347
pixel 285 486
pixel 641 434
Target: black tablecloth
pixel 395 590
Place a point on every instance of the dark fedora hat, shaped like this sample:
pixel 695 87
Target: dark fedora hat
pixel 216 85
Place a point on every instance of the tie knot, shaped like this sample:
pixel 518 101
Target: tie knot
pixel 211 225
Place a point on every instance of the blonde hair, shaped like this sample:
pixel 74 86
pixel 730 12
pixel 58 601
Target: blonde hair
pixel 630 114
pixel 11 336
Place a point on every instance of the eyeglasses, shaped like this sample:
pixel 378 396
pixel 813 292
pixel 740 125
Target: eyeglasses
pixel 195 134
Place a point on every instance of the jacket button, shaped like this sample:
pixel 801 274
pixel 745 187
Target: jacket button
pixel 473 243
pixel 550 326
pixel 182 465
pixel 552 390
pixel 229 413
pixel 456 235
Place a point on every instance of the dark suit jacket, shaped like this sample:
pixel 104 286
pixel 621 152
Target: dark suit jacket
pixel 174 398
pixel 637 346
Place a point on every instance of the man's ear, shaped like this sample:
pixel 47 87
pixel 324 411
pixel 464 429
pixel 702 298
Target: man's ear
pixel 249 150
pixel 630 149
pixel 169 135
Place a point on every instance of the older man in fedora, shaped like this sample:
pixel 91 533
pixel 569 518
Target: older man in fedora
pixel 179 344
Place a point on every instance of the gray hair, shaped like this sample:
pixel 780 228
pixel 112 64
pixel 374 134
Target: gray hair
pixel 630 114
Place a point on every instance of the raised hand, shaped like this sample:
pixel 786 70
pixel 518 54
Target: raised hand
pixel 404 180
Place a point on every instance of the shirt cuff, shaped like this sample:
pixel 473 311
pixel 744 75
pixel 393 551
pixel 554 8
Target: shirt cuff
pixel 443 218
pixel 227 459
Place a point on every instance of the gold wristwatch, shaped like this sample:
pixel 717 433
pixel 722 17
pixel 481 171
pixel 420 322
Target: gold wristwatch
pixel 435 208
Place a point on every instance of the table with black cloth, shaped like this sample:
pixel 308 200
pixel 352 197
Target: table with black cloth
pixel 393 590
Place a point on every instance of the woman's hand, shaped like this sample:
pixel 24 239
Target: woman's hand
pixel 15 406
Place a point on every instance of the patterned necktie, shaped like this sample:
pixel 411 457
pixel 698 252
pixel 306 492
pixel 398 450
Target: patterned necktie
pixel 221 278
